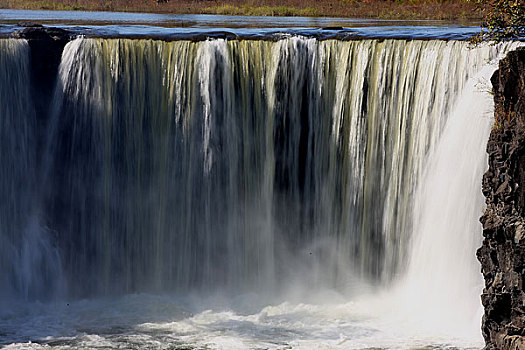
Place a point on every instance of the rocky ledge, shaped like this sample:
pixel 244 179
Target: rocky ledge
pixel 502 254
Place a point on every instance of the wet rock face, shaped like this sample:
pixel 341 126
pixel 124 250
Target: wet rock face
pixel 502 254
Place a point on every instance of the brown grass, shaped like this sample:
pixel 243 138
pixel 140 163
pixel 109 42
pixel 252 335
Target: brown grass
pixel 462 10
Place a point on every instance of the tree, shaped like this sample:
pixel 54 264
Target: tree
pixel 503 19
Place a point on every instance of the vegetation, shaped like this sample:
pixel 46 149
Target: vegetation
pixel 462 10
pixel 503 19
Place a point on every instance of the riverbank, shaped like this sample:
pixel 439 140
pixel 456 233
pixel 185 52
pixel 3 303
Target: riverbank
pixel 458 10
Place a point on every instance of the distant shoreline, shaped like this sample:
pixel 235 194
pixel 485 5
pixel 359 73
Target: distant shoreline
pixel 455 10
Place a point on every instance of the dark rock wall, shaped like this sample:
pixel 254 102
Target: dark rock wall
pixel 502 254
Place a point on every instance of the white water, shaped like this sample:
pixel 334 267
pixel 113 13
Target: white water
pixel 157 322
pixel 440 294
pixel 443 266
pixel 436 303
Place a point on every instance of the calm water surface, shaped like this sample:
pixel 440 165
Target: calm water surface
pixel 175 26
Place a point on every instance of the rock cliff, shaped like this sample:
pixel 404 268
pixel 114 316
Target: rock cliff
pixel 502 254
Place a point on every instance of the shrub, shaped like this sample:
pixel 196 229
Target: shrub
pixel 503 19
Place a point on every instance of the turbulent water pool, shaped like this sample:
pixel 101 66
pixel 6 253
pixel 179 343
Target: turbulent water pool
pixel 216 182
pixel 159 322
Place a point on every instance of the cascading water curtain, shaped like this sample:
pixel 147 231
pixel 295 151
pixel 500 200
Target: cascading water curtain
pixel 242 165
pixel 29 261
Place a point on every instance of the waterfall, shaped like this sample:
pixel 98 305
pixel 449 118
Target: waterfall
pixel 29 261
pixel 439 290
pixel 242 165
pixel 245 167
pixel 443 266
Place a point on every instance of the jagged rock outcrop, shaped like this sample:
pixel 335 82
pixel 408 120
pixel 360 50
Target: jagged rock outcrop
pixel 502 254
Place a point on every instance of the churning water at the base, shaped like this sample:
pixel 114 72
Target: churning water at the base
pixel 159 322
pixel 324 192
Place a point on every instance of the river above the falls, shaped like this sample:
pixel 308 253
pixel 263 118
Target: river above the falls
pixel 182 26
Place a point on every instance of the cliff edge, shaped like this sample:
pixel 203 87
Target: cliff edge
pixel 502 254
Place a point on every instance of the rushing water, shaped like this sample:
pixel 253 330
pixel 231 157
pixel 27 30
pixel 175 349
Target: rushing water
pixel 266 194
